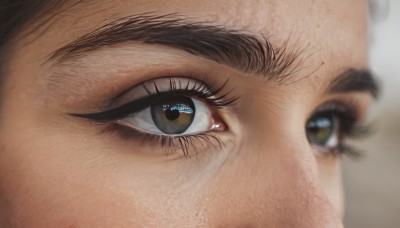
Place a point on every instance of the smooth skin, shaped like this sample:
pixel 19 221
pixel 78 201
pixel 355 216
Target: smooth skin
pixel 61 171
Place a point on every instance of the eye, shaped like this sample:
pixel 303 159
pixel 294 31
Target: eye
pixel 323 130
pixel 174 116
pixel 333 123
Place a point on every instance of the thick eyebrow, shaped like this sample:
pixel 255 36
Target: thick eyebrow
pixel 353 80
pixel 230 47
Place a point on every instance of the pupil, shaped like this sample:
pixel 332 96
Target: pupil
pixel 172 114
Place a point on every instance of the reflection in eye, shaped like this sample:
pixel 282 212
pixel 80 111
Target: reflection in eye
pixel 174 116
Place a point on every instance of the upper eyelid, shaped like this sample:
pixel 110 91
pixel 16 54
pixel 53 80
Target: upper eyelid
pixel 359 105
pixel 152 87
pixel 123 110
pixel 192 87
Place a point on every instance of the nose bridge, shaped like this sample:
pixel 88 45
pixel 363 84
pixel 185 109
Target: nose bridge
pixel 296 184
pixel 275 183
pixel 299 186
pixel 307 201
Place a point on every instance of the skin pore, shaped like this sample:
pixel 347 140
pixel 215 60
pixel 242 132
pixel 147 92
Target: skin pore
pixel 62 167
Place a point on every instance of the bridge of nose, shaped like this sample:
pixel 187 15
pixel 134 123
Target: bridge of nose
pixel 270 184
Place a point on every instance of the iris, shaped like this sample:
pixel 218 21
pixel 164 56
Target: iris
pixel 173 115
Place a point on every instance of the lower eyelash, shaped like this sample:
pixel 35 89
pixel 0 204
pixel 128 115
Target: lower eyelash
pixel 349 151
pixel 356 132
pixel 187 145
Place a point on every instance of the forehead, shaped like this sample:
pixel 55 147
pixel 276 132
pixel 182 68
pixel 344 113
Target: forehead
pixel 334 32
pixel 271 17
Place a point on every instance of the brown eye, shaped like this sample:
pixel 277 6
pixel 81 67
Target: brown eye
pixel 173 115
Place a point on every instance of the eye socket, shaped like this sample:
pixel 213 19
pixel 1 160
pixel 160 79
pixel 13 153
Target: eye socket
pixel 174 116
pixel 323 130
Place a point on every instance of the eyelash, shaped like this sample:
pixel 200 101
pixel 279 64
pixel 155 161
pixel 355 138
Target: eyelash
pixel 187 144
pixel 214 97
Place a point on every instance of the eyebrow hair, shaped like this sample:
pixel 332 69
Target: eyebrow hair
pixel 230 47
pixel 353 80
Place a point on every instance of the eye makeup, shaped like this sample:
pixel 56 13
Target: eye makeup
pixel 156 90
pixel 168 99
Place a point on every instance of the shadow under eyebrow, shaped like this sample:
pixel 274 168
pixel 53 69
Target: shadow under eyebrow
pixel 230 47
pixel 353 80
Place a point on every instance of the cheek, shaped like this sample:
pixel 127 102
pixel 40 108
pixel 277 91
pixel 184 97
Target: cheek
pixel 330 176
pixel 268 182
pixel 67 179
pixel 57 179
pixel 50 186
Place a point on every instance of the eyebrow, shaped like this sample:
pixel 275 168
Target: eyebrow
pixel 234 48
pixel 353 80
pixel 230 47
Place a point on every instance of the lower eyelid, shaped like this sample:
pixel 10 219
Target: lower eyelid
pixel 171 147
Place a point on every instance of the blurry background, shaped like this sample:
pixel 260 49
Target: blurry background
pixel 372 184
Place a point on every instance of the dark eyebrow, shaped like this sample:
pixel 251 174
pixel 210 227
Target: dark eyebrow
pixel 353 80
pixel 234 48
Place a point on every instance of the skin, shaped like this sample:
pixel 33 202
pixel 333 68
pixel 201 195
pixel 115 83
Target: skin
pixel 61 171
